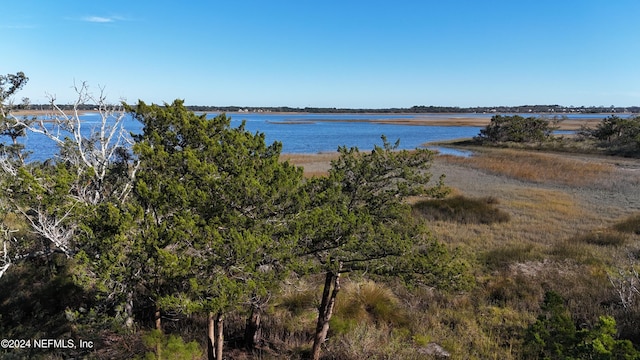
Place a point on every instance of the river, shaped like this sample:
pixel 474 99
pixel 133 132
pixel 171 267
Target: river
pixel 310 133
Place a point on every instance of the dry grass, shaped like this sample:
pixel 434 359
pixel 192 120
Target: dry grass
pixel 536 167
pixel 462 209
pixel 629 225
pixel 313 164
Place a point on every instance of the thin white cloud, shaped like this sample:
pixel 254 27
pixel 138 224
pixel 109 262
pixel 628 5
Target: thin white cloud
pixel 99 19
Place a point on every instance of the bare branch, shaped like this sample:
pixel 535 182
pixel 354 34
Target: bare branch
pixel 626 283
pixel 90 151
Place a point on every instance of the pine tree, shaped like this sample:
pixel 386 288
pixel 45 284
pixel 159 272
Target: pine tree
pixel 358 220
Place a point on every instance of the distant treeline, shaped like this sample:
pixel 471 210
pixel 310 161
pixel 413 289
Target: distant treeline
pixel 421 109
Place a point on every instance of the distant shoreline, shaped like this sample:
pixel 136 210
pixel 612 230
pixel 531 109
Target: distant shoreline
pixel 435 119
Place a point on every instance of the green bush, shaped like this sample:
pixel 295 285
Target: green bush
pixel 171 347
pixel 554 336
pixel 619 135
pixel 517 129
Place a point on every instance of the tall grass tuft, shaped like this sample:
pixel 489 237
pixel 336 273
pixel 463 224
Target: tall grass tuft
pixel 629 225
pixel 367 302
pixel 602 238
pixel 501 257
pixel 462 210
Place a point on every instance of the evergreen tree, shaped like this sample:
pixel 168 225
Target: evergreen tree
pixel 214 201
pixel 358 220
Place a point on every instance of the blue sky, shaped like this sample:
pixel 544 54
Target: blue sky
pixel 360 54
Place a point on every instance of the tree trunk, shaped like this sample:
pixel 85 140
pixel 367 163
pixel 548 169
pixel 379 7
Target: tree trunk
pixel 211 335
pixel 325 311
pixel 128 309
pixel 157 317
pixel 252 331
pixel 158 321
pixel 219 339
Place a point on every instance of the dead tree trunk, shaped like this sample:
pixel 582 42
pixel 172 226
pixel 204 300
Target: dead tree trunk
pixel 325 311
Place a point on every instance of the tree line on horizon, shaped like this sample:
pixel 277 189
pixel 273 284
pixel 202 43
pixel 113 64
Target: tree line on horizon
pixel 418 109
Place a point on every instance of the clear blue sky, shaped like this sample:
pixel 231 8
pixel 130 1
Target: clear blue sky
pixel 349 53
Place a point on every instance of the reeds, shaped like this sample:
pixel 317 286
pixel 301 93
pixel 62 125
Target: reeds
pixel 462 209
pixel 536 167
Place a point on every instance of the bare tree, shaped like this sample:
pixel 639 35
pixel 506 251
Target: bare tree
pixel 93 165
pixel 92 154
pixel 5 261
pixel 626 283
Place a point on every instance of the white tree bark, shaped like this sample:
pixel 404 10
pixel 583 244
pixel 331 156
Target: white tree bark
pixel 626 283
pixel 92 153
pixel 95 151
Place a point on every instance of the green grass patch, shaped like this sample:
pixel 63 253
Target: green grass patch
pixel 462 209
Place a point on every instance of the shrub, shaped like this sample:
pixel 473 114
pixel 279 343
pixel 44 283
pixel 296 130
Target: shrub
pixel 554 336
pixel 517 129
pixel 171 347
pixel 619 135
pixel 463 210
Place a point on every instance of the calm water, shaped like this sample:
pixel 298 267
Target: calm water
pixel 309 133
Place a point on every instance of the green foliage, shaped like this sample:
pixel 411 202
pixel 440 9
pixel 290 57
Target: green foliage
pixel 11 83
pixel 519 129
pixel 215 202
pixel 171 347
pixel 357 218
pixel 618 135
pixel 554 336
pixel 9 127
pixel 553 333
pixel 462 210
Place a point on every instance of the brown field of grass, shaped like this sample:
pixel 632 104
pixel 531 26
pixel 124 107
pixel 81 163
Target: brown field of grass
pixel 536 167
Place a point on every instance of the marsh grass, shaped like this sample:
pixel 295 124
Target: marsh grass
pixel 536 167
pixel 630 225
pixel 604 237
pixel 462 210
pixel 501 257
pixel 367 302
